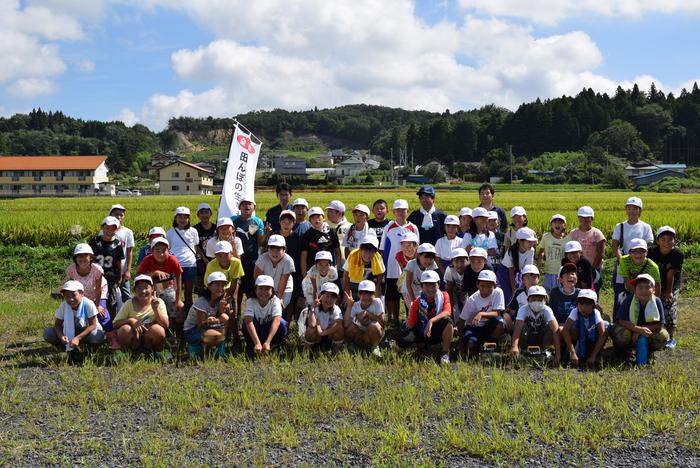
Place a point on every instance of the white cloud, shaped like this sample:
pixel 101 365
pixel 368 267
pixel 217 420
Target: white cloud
pixel 128 117
pixel 85 66
pixel 31 87
pixel 553 11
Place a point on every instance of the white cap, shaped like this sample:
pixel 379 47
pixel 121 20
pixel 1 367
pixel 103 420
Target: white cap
pixel 459 252
pixel 558 216
pixel 429 276
pixel 360 207
pixel 225 221
pixel 643 276
pixel 525 233
pixel 588 294
pixel 573 246
pixel 83 249
pixel 143 278
pixel 300 201
pixel 638 243
pixel 517 211
pixel 223 247
pixel 536 291
pixel 586 212
pixel 216 276
pixel 329 287
pixel 665 229
pixel 276 240
pixel 72 285
pixel 479 212
pixel 203 206
pixel 316 210
pixel 323 255
pixel 465 211
pixel 264 280
pixel 159 240
pixel 117 207
pixel 636 201
pixel 426 248
pixel 487 275
pixel 478 252
pixel 248 199
pixel 452 219
pixel 182 210
pixel 493 215
pixel 110 221
pixel 336 205
pixel 400 204
pixel 370 239
pixel 530 269
pixel 288 213
pixel 409 236
pixel 366 285
pixel 156 230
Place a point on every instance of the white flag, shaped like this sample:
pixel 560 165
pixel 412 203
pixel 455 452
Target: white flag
pixel 239 182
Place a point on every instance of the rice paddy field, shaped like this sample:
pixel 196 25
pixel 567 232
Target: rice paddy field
pixel 298 409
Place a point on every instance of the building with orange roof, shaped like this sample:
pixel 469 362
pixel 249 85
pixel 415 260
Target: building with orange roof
pixel 22 176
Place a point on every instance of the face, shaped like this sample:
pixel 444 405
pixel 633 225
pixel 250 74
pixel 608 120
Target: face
pixel 160 252
pixel 638 255
pixel 481 223
pixel 359 217
pixel 573 257
pixel 633 212
pixel 72 298
pixel 217 288
pixel 300 211
pixel 486 288
pixel 477 263
pixel 451 230
pixel 526 245
pixel 275 253
pixel 366 297
pixel 585 223
pixel 317 221
pixel 380 210
pixel 557 226
pixel 283 197
pixel 225 232
pixel 119 214
pixel 263 293
pixel 286 223
pixel 492 224
pixel 666 241
pixel 143 290
pixel 328 299
pixel 83 260
pixel 246 208
pixel 204 215
pixel 182 220
pixel 400 215
pixel 486 197
pixel 426 259
pixel 323 267
pixel 459 264
pixel 643 290
pixel 334 215
pixel 426 201
pixel 409 249
pixel 536 298
pixel 367 253
pixel 568 279
pixel 465 222
pixel 585 307
pixel 109 230
pixel 518 221
pixel 223 258
pixel 530 279
pixel 429 289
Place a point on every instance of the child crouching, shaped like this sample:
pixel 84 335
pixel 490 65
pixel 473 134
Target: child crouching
pixel 206 321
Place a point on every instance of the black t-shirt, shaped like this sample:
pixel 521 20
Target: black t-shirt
pixel 314 241
pixel 108 254
pixel 584 273
pixel 470 279
pixel 561 304
pixel 293 249
pixel 378 226
pixel 672 261
pixel 205 234
pixel 273 216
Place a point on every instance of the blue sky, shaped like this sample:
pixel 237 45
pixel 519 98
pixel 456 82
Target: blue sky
pixel 146 61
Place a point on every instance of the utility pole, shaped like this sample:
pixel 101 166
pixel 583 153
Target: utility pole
pixel 510 158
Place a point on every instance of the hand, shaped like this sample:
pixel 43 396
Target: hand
pixel 223 306
pixel 590 362
pixel 64 340
pixel 101 310
pixel 574 359
pixel 667 298
pixel 348 298
pixel 127 275
pixel 476 320
pixel 258 348
pixel 644 331
pixel 428 329
pixel 75 342
pixel 162 276
pixel 212 320
pixel 317 302
pixel 179 305
pixel 556 361
pixel 266 347
pixel 268 229
pixel 515 352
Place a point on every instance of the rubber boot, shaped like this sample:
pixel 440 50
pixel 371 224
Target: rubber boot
pixel 194 351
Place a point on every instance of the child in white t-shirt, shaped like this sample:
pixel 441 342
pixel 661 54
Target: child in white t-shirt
pixel 364 319
pixel 520 254
pixel 183 240
pixel 324 323
pixel 535 325
pixel 552 250
pixel 320 273
pixel 279 265
pixel 447 243
pixel 454 277
pixel 585 331
pixel 481 318
pixel 207 318
pixel 264 326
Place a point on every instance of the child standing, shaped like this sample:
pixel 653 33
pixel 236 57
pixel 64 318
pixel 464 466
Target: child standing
pixel 230 266
pixel 155 231
pixel 224 232
pixel 520 254
pixel 280 266
pixel 585 331
pixel 207 318
pixel 552 250
pixel 477 263
pixel 670 262
pixel 364 320
pixel 531 277
pixel 126 240
pixel 380 221
pixel 358 230
pixel 479 234
pixel 363 263
pixel 573 253
pixel 205 230
pixel 592 242
pixel 481 319
pixel 319 237
pixel 109 254
pixel 447 243
pixel 415 268
pixel 264 326
pixel 465 221
pixel 518 219
pixel 183 239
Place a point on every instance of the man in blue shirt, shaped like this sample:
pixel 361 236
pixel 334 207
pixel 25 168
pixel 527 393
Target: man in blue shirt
pixel 430 220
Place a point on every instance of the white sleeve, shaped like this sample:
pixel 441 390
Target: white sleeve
pixel 239 245
pixel 648 234
pixel 276 307
pixel 597 318
pixel 492 241
pixel 249 308
pixel 466 241
pixel 522 313
pixel 573 316
pixel 90 309
pixel 290 264
pixel 377 306
pixel 507 260
pixel 467 309
pixel 548 314
pixel 499 302
pixel 616 232
pixel 210 247
pixel 195 236
pixel 129 239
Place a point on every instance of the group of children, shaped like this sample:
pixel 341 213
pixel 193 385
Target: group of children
pixel 467 276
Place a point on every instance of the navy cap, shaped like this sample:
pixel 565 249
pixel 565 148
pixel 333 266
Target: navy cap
pixel 426 189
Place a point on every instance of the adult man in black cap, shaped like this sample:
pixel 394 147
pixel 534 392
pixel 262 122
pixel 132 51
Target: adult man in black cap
pixel 430 221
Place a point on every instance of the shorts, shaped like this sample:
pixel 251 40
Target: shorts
pixel 193 335
pixel 391 290
pixel 551 281
pixel 623 338
pixel 189 274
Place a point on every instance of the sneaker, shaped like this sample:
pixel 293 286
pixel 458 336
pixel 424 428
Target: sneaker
pixel 376 352
pixel 445 359
pixel 671 343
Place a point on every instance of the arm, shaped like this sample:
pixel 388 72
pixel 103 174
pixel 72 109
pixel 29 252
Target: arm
pixel 273 331
pixel 554 327
pixel 566 332
pixel 517 330
pixel 178 292
pixel 378 282
pixel 348 310
pixel 119 269
pixel 646 331
pixel 248 321
pixel 335 326
pixel 92 325
pixel 615 245
pixel 482 315
pixel 58 327
pixel 540 258
pixel 161 315
pixel 129 260
pixel 256 272
pixel 667 294
pixel 346 283
pixel 284 279
pixel 409 287
pixel 511 278
pixel 233 295
pixel 302 266
pixel 599 251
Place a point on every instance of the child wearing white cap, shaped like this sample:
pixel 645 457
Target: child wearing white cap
pixel 531 277
pixel 183 240
pixel 415 268
pixel 224 232
pixel 167 276
pixel 635 263
pixel 429 317
pixel 535 325
pixel 363 263
pixel 324 323
pixel 585 274
pixel 142 321
pixel 155 231
pixel 520 254
pixel 477 263
pixel 109 254
pixel 465 221
pixel 301 207
pixel 364 319
pixel 230 266
pixel 447 243
pixel 592 242
pixel 251 231
pixel 585 331
pixel 454 277
pixel 264 327
pixel 551 250
pixel 279 265
pixel 481 317
pixel 479 234
pixel 357 231
pixel 207 318
pixel 75 321
pixel 319 237
pixel 321 273
pixel 126 239
pixel 338 224
pixel 670 262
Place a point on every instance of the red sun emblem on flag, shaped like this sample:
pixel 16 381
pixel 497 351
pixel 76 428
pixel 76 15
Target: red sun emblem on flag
pixel 246 144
